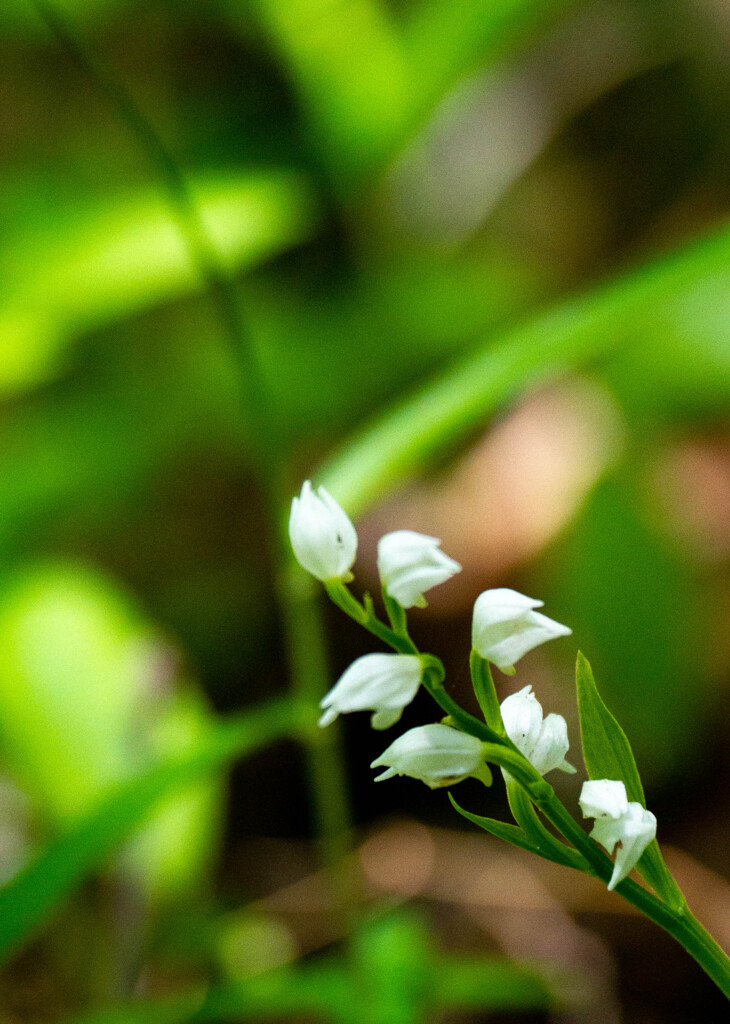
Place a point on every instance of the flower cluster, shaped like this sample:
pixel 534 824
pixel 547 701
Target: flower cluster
pixel 505 627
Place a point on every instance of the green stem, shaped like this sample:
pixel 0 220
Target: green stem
pixel 305 641
pixel 679 923
pixel 433 675
pixel 486 693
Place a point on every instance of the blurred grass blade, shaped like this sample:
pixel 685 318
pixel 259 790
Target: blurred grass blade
pixel 29 898
pixel 448 39
pixel 466 983
pixel 607 755
pixel 121 256
pixel 348 64
pixel 395 447
pixel 320 991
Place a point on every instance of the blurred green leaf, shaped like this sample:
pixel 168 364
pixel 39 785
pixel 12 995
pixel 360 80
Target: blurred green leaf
pixel 349 67
pixel 446 40
pixel 28 901
pixel 367 79
pixel 85 700
pixel 72 679
pixel 176 847
pixel 635 601
pixel 607 754
pixel 112 260
pixel 491 984
pixel 396 949
pixel 19 15
pixel 580 331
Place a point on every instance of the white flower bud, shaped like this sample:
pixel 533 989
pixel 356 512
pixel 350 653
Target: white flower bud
pixel 544 742
pixel 435 754
pixel 506 626
pixel 628 833
pixel 603 798
pixel 383 683
pixel 410 563
pixel 322 536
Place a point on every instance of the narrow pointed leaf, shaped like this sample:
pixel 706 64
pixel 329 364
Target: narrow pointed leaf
pixel 607 755
pixel 500 829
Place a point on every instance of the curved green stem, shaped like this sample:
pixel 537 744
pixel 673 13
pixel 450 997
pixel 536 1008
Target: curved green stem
pixel 486 693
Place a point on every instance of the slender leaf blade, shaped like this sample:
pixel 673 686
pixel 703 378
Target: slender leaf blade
pixel 510 833
pixel 607 754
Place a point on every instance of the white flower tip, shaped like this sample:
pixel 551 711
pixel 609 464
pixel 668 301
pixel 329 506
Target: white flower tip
pixel 603 798
pixel 385 718
pixel 327 718
pixel 566 766
pixel 615 878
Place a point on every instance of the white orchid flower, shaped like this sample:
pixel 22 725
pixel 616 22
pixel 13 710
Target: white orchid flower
pixel 435 754
pixel 543 741
pixel 411 563
pixel 628 831
pixel 505 626
pixel 322 536
pixel 383 683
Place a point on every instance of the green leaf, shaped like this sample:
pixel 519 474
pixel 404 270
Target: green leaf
pixel 349 67
pixel 475 983
pixel 448 40
pixel 500 829
pixel 607 755
pixel 31 896
pixel 125 254
pixel 397 445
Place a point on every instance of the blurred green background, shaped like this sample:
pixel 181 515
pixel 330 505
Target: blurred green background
pixel 468 264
